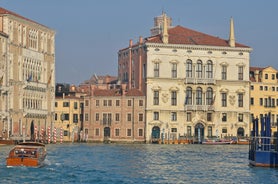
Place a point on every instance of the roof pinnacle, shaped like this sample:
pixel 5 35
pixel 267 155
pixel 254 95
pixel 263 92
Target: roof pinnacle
pixel 232 33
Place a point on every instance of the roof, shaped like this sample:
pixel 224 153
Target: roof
pixel 182 35
pixel 5 11
pixel 134 92
pixel 107 92
pixel 117 92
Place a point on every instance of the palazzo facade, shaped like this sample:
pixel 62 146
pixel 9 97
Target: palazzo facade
pixel 196 85
pixel 27 76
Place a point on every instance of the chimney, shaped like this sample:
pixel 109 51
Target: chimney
pixel 257 75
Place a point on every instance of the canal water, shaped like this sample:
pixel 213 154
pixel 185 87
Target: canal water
pixel 140 163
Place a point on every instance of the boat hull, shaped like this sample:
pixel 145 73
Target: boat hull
pixel 27 154
pixel 27 162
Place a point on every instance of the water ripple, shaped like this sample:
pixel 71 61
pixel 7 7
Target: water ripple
pixel 125 164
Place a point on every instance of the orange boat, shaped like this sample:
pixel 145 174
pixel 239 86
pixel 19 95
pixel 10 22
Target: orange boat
pixel 29 154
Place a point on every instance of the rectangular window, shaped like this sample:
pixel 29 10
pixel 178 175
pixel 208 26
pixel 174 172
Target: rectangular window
pixel 188 116
pixel 86 102
pixel 75 118
pixel 224 99
pixel 240 100
pixel 97 116
pixel 224 72
pixel 174 98
pixel 129 103
pixel 252 88
pixel 66 116
pixel 56 116
pixel 174 70
pixel 209 116
pixel 261 102
pixel 156 70
pixel 117 117
pixel 240 73
pixel 174 130
pixel 97 103
pixel 156 116
pixel 117 103
pixel 140 133
pixel 109 102
pixel 75 105
pixel 97 132
pixel 240 117
pixel 189 133
pixel 173 116
pixel 86 117
pixel 209 131
pixel 56 104
pixel 140 117
pixel 104 102
pixel 129 117
pixel 156 97
pixel 65 104
pixel 224 117
pixel 117 132
pixel 129 132
pixel 141 103
pixel 252 101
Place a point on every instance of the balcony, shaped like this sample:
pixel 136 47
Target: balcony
pixel 106 122
pixel 35 113
pixel 199 81
pixel 199 108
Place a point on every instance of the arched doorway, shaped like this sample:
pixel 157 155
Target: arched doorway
pixel 240 132
pixel 155 134
pixel 199 132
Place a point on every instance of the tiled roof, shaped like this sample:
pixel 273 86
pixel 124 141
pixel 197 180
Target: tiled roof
pixel 182 35
pixel 5 11
pixel 134 92
pixel 256 68
pixel 106 92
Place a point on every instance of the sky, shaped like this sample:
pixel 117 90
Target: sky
pixel 89 33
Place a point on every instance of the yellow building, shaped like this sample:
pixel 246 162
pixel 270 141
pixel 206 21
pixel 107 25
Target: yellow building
pixel 27 77
pixel 263 94
pixel 68 113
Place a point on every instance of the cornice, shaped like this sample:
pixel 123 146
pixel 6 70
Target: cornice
pixel 198 47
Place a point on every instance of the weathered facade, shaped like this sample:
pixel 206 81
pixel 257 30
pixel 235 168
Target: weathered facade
pixel 196 85
pixel 27 76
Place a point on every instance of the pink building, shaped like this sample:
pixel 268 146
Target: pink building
pixel 114 115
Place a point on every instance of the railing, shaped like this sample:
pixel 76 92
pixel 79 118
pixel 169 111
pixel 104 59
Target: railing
pixel 200 81
pixel 199 107
pixel 263 143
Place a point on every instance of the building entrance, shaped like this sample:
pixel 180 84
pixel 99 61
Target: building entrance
pixel 199 132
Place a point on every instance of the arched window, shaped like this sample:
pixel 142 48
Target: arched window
pixel 199 96
pixel 188 68
pixel 188 97
pixel 209 96
pixel 199 69
pixel 209 70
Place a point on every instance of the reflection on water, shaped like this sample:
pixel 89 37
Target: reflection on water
pixel 113 163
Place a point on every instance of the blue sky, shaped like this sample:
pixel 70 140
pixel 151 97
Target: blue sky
pixel 89 33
